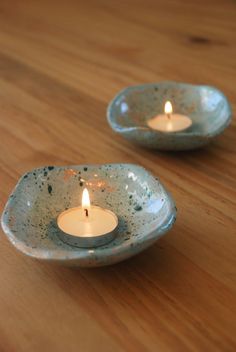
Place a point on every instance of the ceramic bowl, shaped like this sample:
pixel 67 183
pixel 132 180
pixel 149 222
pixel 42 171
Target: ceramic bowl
pixel 207 107
pixel 144 208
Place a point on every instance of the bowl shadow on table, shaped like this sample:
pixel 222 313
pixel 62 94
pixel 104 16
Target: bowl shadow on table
pixel 138 289
pixel 144 274
pixel 153 263
pixel 179 161
pixel 198 152
pixel 188 156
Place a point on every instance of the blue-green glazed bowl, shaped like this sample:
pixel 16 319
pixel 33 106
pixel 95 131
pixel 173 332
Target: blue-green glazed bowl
pixel 144 208
pixel 207 107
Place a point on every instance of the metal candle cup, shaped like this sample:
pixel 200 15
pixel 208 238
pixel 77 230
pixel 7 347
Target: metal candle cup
pixel 87 226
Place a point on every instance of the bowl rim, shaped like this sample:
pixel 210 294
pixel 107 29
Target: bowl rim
pixel 83 254
pixel 180 134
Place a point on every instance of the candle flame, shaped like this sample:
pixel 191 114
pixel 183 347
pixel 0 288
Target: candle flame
pixel 168 108
pixel 85 199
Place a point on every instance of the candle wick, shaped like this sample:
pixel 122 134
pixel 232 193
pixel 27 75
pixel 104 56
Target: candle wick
pixel 168 116
pixel 86 212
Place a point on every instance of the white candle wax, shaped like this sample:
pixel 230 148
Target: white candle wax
pixel 169 122
pixel 98 222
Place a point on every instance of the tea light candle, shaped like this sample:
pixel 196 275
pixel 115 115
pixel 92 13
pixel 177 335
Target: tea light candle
pixel 87 225
pixel 169 122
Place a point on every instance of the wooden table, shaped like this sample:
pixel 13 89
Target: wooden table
pixel 60 64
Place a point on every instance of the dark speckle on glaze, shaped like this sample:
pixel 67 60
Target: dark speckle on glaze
pixel 50 189
pixel 199 40
pixel 50 168
pixel 85 169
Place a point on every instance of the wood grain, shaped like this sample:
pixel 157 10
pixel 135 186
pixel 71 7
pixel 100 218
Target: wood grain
pixel 60 64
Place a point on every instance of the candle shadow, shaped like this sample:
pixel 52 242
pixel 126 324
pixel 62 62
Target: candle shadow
pixel 53 234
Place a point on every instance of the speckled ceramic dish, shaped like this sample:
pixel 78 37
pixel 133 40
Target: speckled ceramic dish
pixel 207 107
pixel 144 208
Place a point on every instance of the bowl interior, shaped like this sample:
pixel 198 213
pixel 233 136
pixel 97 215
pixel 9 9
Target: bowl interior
pixel 206 106
pixel 139 200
